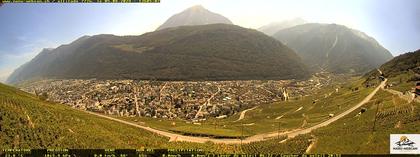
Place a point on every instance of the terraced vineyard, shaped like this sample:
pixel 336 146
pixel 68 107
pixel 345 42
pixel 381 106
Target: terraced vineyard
pixel 360 133
pixel 279 145
pixel 27 122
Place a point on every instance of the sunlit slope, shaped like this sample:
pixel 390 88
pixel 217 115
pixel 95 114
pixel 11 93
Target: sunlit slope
pixel 402 72
pixel 361 134
pixel 395 111
pixel 27 122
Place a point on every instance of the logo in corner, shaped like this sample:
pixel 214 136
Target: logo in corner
pixel 404 143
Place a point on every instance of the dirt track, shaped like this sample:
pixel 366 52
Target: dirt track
pixel 258 137
pixel 242 116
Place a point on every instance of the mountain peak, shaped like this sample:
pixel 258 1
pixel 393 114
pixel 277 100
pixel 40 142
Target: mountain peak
pixel 195 15
pixel 197 7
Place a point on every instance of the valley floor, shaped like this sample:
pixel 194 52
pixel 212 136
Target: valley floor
pixel 254 138
pixel 329 120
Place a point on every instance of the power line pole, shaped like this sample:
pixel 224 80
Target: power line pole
pixel 242 133
pixel 278 131
pixel 374 122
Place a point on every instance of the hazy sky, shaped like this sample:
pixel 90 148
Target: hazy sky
pixel 27 28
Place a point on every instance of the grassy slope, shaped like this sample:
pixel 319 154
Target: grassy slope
pixel 403 82
pixel 297 145
pixel 354 134
pixel 402 72
pixel 349 135
pixel 27 122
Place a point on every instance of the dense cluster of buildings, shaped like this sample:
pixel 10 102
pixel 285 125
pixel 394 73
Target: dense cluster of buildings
pixel 190 100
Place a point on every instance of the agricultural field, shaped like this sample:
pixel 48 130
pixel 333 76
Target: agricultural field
pixel 403 82
pixel 41 124
pixel 361 133
pixel 298 145
pixel 279 145
pixel 28 122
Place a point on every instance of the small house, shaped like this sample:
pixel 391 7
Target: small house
pixel 417 91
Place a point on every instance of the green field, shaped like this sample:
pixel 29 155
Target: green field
pixel 279 145
pixel 361 134
pixel 295 145
pixel 403 82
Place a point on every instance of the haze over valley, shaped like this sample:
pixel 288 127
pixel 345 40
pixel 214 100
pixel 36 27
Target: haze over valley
pixel 202 80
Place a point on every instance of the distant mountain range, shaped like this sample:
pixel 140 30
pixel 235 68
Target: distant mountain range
pixel 334 48
pixel 205 52
pixel 196 15
pixel 197 44
pixel 274 27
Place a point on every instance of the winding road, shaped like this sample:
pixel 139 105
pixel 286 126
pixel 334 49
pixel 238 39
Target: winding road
pixel 242 116
pixel 254 138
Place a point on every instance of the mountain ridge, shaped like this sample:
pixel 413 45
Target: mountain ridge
pixel 205 52
pixel 334 48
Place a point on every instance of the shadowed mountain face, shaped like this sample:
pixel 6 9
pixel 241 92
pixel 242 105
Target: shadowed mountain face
pixel 207 52
pixel 334 48
pixel 196 15
pixel 272 28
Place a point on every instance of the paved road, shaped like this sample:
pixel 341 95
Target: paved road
pixel 258 137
